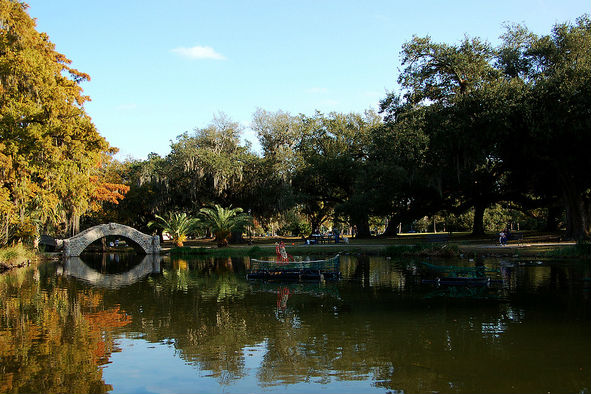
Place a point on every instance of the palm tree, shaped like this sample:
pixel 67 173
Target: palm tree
pixel 178 225
pixel 222 221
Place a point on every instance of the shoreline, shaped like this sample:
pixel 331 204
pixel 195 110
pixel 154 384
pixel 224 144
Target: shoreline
pixel 389 249
pixel 539 250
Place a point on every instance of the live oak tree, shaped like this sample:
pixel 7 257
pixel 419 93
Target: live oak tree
pixel 278 134
pixel 331 179
pixel 501 124
pixel 207 165
pixel 550 124
pixel 271 183
pixel 397 183
pixel 437 83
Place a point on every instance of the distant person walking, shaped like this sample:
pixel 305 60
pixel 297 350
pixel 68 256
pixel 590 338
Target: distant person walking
pixel 502 238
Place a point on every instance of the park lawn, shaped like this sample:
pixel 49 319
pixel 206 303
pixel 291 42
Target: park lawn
pixel 533 245
pixel 459 238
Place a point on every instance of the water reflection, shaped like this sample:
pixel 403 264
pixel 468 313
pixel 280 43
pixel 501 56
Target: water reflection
pixel 54 339
pixel 77 268
pixel 375 330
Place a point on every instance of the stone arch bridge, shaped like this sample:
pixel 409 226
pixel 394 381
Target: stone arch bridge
pixel 142 243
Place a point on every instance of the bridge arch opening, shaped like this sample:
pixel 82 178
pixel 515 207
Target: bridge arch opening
pixel 110 243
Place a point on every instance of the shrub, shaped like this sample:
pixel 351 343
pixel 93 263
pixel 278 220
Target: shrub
pixel 15 255
pixel 422 249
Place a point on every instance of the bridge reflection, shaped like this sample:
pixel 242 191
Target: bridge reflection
pixel 77 268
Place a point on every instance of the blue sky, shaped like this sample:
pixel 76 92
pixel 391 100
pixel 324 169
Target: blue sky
pixel 160 68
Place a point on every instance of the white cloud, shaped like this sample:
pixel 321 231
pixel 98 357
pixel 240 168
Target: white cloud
pixel 199 52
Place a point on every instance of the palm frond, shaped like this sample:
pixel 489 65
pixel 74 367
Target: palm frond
pixel 178 225
pixel 223 221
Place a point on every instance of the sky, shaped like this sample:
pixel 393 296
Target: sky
pixel 162 68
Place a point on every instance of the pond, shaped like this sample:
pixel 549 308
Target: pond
pixel 123 323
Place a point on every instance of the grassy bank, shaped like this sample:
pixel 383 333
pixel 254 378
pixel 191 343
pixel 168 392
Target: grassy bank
pixel 432 249
pixel 16 256
pixel 423 250
pixel 392 248
pixel 582 250
pixel 219 252
pixel 266 251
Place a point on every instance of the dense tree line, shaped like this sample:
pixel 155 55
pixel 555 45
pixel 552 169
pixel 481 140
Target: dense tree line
pixel 502 124
pixel 470 132
pixel 471 128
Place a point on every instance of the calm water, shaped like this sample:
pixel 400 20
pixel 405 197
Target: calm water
pixel 126 324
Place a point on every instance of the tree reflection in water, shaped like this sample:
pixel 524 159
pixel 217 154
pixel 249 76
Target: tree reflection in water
pixel 54 338
pixel 375 327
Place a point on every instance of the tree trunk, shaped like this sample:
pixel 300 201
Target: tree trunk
pixel 315 222
pixel 478 226
pixel 73 225
pixel 578 212
pixel 392 229
pixel 553 218
pixel 236 237
pixel 362 224
pixel 5 232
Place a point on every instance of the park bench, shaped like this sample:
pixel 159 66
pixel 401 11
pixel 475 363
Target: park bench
pixel 316 239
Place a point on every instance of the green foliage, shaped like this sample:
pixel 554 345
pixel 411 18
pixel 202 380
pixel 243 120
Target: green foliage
pixel 50 151
pixel 471 131
pixel 255 251
pixel 15 255
pixel 149 194
pixel 178 225
pixel 188 251
pixel 501 124
pixel 437 72
pixel 279 134
pixel 209 163
pixel 332 179
pixel 223 221
pixel 423 249
pixel 294 225
pixel 551 120
pixel 581 249
pixel 462 222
